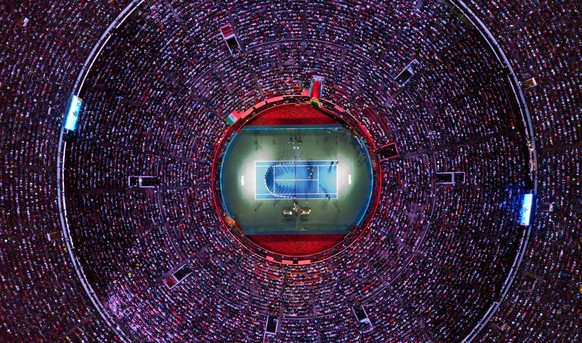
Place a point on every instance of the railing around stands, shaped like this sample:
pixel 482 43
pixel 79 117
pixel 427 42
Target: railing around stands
pixel 61 160
pixel 528 129
pixel 124 333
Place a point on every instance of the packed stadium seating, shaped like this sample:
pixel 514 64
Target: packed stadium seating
pixel 434 258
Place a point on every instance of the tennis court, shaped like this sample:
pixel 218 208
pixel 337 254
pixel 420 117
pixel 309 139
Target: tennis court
pixel 296 179
pixel 271 171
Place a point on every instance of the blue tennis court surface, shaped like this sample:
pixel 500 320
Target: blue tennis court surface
pixel 296 179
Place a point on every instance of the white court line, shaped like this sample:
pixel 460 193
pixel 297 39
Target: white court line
pixel 274 179
pixel 271 195
pixel 294 161
pixel 307 165
pixel 297 180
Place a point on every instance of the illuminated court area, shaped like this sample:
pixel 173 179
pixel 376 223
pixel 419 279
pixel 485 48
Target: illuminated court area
pixel 296 179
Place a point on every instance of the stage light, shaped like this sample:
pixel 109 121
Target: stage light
pixel 526 209
pixel 73 113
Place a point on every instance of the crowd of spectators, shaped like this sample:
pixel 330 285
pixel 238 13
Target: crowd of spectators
pixel 44 45
pixel 434 257
pixel 539 38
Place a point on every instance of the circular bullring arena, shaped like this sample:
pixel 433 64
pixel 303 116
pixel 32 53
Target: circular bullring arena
pixel 296 181
pixel 290 171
